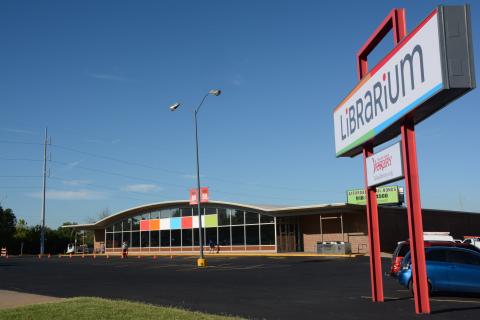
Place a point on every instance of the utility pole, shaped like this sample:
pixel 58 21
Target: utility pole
pixel 42 231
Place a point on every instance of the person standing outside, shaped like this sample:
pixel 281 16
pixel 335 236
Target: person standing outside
pixel 124 249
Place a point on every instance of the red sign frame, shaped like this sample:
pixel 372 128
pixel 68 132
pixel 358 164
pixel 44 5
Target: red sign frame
pixel 395 22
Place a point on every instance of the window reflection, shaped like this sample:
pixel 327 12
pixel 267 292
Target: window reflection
pixel 251 218
pixel 237 217
pixel 238 235
pixel 226 227
pixel 252 235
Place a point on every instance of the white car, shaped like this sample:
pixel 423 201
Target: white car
pixel 473 241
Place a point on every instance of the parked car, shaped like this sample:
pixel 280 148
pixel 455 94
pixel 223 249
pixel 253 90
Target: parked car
pixel 473 241
pixel 403 247
pixel 449 269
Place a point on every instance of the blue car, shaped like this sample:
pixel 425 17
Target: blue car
pixel 449 269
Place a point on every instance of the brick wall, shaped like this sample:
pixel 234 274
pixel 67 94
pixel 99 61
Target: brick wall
pixel 354 228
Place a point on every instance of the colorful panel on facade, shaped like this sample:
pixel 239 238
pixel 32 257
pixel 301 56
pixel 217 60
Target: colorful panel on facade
pixel 145 225
pixel 175 223
pixel 186 222
pixel 155 224
pixel 211 220
pixel 195 222
pixel 165 224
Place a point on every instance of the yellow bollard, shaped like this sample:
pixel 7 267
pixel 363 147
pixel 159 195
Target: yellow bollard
pixel 201 262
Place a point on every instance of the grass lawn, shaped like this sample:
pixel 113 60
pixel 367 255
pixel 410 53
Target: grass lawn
pixel 97 308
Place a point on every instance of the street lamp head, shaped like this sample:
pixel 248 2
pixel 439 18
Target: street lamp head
pixel 174 106
pixel 215 92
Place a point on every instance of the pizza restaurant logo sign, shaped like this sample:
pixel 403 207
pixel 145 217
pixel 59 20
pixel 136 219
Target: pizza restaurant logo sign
pixel 385 166
pixel 382 163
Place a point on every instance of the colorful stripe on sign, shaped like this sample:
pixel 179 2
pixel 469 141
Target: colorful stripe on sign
pixel 370 134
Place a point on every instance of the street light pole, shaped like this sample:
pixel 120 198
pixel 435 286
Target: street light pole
pixel 201 260
pixel 200 227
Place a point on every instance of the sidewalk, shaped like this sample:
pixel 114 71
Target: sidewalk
pixel 12 299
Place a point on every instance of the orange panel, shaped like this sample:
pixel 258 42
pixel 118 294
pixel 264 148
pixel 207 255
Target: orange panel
pixel 155 224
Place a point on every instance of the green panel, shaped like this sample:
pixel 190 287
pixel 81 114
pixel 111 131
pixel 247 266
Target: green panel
pixel 211 220
pixel 385 195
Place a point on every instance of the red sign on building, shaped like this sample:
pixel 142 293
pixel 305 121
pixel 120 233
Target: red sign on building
pixel 194 196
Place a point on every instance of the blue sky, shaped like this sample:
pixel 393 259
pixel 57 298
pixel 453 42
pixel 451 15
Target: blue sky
pixel 101 76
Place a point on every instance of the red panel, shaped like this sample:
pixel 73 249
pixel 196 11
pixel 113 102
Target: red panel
pixel 145 225
pixel 186 222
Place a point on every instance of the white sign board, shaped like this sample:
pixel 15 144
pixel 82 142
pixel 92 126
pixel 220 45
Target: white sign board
pixel 385 166
pixel 409 75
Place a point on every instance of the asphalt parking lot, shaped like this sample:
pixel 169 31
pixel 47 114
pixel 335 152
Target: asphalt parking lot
pixel 251 287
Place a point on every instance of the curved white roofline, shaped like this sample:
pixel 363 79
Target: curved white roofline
pixel 186 202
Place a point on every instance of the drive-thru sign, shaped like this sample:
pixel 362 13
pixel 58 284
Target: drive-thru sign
pixel 426 70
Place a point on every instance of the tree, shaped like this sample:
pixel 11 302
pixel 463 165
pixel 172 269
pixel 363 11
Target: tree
pixel 7 227
pixel 21 233
pixel 100 215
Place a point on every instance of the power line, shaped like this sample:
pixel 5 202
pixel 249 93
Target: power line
pixel 20 142
pixel 102 187
pixel 13 176
pixel 185 173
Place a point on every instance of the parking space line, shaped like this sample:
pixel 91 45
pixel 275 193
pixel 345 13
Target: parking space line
pixel 455 300
pixel 389 298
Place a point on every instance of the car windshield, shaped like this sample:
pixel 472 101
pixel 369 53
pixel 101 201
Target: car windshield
pixel 404 249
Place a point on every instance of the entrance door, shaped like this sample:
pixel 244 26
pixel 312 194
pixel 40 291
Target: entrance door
pixel 288 235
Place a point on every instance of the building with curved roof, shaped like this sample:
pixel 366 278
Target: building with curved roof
pixel 173 226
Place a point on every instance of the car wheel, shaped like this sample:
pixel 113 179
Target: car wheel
pixel 410 287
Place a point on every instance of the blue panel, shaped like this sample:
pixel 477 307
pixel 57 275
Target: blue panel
pixel 175 223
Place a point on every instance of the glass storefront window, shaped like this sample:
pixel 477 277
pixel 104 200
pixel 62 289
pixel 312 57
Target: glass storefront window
pixel 223 217
pixel 251 218
pixel 266 219
pixel 109 240
pixel 175 212
pixel 154 238
pixel 175 239
pixel 237 217
pixel 165 238
pixel 195 210
pixel 136 223
pixel 267 234
pixel 238 235
pixel 127 224
pixel 209 210
pixel 117 226
pixel 135 239
pixel 186 212
pixel 127 237
pixel 196 237
pixel 187 238
pixel 252 235
pixel 211 235
pixel 117 239
pixel 224 236
pixel 145 239
pixel 225 227
pixel 165 213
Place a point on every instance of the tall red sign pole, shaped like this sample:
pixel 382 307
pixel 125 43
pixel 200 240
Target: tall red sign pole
pixel 395 21
pixel 414 211
pixel 373 233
